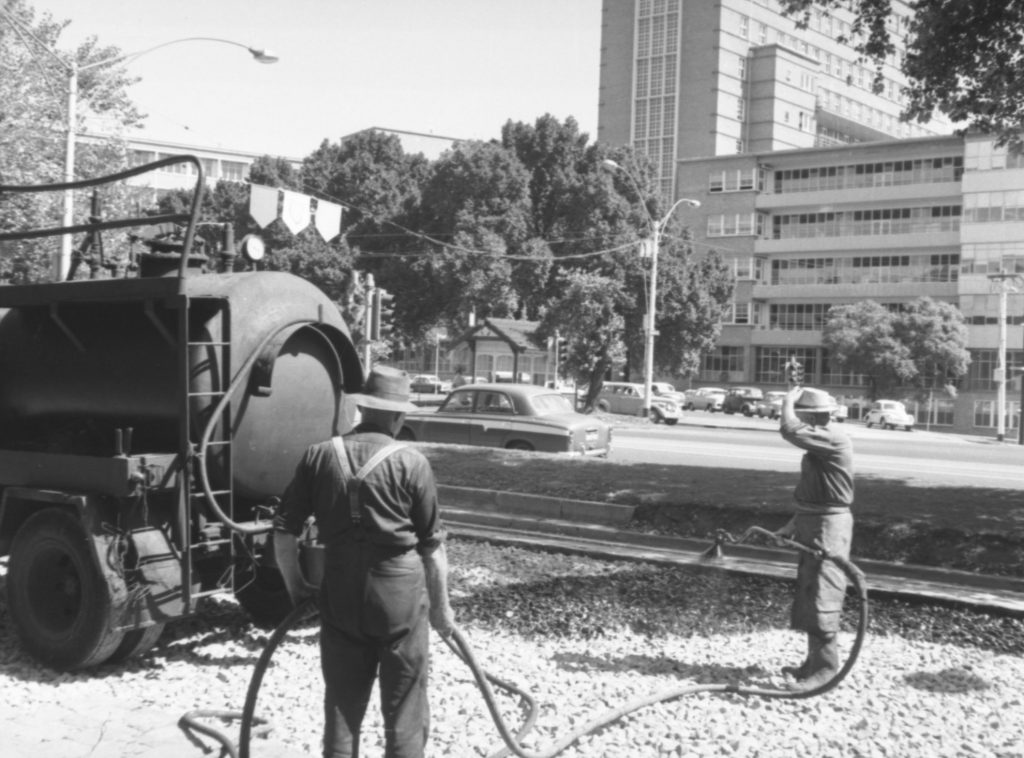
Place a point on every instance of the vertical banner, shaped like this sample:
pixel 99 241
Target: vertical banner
pixel 327 219
pixel 263 204
pixel 295 211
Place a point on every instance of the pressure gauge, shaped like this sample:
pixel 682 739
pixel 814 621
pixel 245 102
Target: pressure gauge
pixel 253 248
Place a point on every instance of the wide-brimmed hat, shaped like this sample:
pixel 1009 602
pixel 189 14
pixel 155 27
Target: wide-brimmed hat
pixel 815 401
pixel 386 389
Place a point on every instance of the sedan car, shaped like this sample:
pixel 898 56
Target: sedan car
pixel 628 398
pixel 889 414
pixel 705 399
pixel 429 384
pixel 770 406
pixel 512 416
pixel 742 400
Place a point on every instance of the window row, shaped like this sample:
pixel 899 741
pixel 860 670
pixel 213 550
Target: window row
pixel 734 180
pixel 879 221
pixel 881 269
pixel 984 156
pixel 880 174
pixel 982 207
pixel 736 224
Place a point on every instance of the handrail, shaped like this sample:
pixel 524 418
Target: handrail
pixel 192 217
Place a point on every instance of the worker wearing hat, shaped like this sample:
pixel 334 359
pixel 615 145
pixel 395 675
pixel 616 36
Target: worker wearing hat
pixel 386 571
pixel 824 496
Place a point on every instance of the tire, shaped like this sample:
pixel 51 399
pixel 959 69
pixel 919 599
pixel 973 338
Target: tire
pixel 602 406
pixel 689 407
pixel 671 421
pixel 520 445
pixel 261 592
pixel 137 642
pixel 909 428
pixel 748 411
pixel 888 426
pixel 60 604
pixel 867 424
pixel 654 416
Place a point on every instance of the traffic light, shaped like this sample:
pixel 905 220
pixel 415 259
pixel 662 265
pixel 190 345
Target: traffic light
pixel 382 314
pixel 562 351
pixel 794 372
pixel 355 304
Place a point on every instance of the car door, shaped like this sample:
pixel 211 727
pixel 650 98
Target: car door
pixel 492 419
pixel 451 422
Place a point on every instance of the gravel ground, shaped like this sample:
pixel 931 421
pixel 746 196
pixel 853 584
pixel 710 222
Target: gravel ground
pixel 584 636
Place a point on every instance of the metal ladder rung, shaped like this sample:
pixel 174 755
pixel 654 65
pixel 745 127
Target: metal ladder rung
pixel 213 343
pixel 210 393
pixel 211 443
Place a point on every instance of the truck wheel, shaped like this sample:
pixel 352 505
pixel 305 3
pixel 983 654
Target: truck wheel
pixel 261 592
pixel 60 603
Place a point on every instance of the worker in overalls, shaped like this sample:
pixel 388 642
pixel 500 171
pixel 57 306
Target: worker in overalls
pixel 822 520
pixel 386 571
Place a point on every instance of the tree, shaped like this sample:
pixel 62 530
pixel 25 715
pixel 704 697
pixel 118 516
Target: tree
pixel 588 314
pixel 33 128
pixel 962 57
pixel 900 353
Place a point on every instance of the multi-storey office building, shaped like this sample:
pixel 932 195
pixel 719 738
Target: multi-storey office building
pixel 888 221
pixel 690 78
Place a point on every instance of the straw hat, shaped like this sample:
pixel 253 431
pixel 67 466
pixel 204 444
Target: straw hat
pixel 386 389
pixel 815 401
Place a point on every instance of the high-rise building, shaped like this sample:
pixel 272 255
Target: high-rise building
pixel 693 78
pixel 817 194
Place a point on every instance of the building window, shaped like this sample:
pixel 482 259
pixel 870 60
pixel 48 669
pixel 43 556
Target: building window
pixel 798 317
pixel 722 361
pixel 731 224
pixel 745 27
pixel 981 372
pixel 233 171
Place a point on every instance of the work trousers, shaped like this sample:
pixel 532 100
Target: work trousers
pixel 821 585
pixel 374 622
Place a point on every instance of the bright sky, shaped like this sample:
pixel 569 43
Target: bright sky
pixel 455 68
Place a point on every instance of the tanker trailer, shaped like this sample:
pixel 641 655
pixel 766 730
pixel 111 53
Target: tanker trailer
pixel 147 425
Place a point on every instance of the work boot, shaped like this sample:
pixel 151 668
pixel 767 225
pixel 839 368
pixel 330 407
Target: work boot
pixel 823 663
pixel 800 672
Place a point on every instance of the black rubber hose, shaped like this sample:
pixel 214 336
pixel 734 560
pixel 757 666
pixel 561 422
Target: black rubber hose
pixel 513 744
pixel 461 648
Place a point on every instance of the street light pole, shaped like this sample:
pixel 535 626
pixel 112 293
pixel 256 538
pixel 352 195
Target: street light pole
pixel 62 261
pixel 655 242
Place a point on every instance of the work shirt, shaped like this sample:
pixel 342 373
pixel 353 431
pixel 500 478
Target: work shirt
pixel 398 498
pixel 826 470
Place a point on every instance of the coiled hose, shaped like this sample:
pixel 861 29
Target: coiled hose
pixel 513 742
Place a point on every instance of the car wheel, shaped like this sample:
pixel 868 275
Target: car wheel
pixel 653 416
pixel 602 406
pixel 689 406
pixel 867 423
pixel 671 421
pixel 519 445
pixel 888 426
pixel 748 411
pixel 909 428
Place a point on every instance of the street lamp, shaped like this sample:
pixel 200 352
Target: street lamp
pixel 655 243
pixel 63 260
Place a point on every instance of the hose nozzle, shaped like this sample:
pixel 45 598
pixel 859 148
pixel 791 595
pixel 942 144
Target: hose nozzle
pixel 715 552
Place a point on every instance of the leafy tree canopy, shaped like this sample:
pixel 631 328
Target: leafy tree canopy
pixel 900 353
pixel 962 57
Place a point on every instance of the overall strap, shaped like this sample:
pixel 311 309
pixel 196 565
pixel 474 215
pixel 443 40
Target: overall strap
pixel 355 481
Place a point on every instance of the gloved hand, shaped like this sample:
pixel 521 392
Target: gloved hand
pixel 443 620
pixel 788 531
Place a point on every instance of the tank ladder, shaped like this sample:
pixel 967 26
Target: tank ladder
pixel 213 534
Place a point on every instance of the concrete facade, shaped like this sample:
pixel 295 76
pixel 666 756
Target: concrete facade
pixel 887 221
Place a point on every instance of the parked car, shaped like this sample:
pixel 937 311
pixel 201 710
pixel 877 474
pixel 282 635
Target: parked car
pixel 841 413
pixel 742 400
pixel 428 384
pixel 705 399
pixel 770 406
pixel 512 416
pixel 888 414
pixel 628 398
pixel 669 392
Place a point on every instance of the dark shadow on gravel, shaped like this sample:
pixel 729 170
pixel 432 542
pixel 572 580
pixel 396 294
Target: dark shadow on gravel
pixel 702 673
pixel 951 681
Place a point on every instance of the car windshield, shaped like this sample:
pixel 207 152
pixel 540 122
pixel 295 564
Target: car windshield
pixel 548 405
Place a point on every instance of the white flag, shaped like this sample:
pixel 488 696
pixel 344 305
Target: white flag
pixel 295 211
pixel 327 219
pixel 262 204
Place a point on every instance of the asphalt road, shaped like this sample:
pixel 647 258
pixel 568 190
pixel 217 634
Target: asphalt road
pixel 728 441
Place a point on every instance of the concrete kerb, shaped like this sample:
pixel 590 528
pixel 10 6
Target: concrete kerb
pixel 535 506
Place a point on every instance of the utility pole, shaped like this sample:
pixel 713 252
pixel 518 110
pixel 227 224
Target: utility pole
pixel 650 246
pixel 1005 283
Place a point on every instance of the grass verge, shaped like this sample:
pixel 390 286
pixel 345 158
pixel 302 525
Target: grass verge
pixel 968 528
